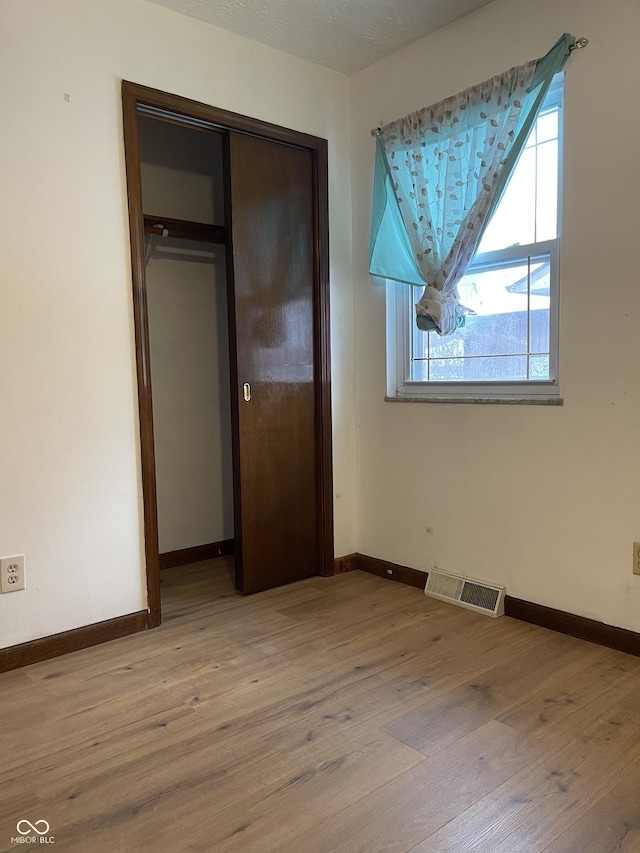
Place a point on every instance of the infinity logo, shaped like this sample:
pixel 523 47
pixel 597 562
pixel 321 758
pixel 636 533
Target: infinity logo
pixel 32 827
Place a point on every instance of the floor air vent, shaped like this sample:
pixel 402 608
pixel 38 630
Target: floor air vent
pixel 472 594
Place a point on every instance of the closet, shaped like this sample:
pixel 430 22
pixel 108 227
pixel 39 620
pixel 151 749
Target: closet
pixel 185 268
pixel 229 248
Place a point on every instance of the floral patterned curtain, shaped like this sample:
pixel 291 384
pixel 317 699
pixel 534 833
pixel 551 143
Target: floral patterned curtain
pixel 440 173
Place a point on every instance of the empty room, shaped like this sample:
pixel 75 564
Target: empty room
pixel 319 394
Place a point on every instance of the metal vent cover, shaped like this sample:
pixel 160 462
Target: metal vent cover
pixel 466 592
pixel 448 586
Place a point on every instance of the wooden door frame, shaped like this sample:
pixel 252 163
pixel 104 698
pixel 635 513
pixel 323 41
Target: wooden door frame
pixel 194 113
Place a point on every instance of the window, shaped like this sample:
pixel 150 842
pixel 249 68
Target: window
pixel 508 346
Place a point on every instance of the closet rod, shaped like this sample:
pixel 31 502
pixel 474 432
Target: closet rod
pixel 164 226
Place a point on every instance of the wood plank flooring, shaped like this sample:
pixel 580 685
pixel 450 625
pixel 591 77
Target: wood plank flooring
pixel 336 715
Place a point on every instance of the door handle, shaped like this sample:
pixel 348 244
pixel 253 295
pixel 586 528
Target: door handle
pixel 246 391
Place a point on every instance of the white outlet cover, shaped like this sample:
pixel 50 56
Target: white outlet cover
pixel 12 573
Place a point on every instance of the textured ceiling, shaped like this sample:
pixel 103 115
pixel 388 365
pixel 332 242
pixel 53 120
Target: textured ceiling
pixel 345 35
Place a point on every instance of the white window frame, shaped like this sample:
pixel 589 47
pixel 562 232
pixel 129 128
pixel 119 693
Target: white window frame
pixel 401 316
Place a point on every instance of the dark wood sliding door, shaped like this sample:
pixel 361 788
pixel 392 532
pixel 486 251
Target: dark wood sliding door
pixel 272 272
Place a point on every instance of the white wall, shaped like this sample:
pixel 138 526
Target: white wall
pixel 181 171
pixel 544 500
pixel 186 297
pixel 69 458
pixel 188 339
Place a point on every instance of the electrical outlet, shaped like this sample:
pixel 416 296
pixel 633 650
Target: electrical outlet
pixel 636 558
pixel 12 574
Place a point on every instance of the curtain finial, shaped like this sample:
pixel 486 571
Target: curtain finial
pixel 579 43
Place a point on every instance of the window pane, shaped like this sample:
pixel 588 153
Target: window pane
pixel 547 126
pixel 420 371
pixel 514 221
pixel 511 367
pixel 547 191
pixel 539 367
pixel 499 326
pixel 529 207
pixel 448 370
pixel 511 320
pixel 540 306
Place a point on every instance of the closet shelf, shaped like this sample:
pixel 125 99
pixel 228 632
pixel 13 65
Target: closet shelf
pixel 184 229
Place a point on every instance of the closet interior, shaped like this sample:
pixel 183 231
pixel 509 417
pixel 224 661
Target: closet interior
pixel 185 269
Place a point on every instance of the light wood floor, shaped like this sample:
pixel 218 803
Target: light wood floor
pixel 341 715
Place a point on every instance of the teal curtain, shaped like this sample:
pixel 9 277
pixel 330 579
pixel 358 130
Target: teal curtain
pixel 439 176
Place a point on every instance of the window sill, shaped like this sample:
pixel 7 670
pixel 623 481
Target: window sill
pixel 495 401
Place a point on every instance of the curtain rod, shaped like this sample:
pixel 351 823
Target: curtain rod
pixel 577 45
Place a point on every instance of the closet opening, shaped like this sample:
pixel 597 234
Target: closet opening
pixel 181 170
pixel 229 247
